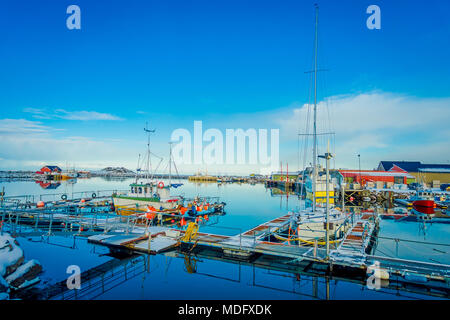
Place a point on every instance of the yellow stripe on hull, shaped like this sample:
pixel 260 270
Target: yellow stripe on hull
pixel 321 196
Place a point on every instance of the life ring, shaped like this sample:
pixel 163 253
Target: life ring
pixel 64 197
pixel 94 195
pixel 160 184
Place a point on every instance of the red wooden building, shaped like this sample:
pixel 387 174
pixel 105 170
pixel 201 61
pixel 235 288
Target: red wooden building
pixel 364 176
pixel 49 170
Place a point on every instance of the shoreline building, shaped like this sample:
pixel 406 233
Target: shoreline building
pixel 283 176
pixel 433 174
pixel 378 178
pixel 50 172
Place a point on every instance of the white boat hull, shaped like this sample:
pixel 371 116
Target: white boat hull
pixel 122 202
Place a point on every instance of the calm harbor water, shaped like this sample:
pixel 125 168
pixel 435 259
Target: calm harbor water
pixel 172 276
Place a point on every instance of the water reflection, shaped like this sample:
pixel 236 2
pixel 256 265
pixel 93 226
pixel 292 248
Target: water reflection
pixel 48 185
pixel 209 275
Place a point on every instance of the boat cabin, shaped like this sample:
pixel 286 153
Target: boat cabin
pixel 148 190
pixel 142 190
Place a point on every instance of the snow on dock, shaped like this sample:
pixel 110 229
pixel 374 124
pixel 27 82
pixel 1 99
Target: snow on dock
pixel 15 272
pixel 357 241
pixel 159 241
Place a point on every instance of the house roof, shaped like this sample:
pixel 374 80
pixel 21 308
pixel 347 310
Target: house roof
pixel 370 173
pixel 410 166
pixel 414 166
pixel 53 168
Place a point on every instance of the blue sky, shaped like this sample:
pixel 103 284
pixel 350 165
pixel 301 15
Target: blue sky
pixel 83 96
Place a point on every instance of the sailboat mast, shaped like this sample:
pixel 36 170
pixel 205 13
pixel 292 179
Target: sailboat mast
pixel 315 111
pixel 138 168
pixel 146 129
pixel 148 152
pixel 170 165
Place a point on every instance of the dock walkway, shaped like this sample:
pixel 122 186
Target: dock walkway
pixel 154 241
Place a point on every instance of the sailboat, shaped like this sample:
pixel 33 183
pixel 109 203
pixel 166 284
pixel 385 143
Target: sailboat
pixel 148 193
pixel 153 197
pixel 317 222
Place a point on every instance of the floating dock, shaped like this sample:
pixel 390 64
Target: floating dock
pixel 154 241
pixel 352 258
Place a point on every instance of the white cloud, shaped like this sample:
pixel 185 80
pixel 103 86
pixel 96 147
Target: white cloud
pixel 21 126
pixel 70 115
pixel 380 126
pixel 84 115
pixel 25 143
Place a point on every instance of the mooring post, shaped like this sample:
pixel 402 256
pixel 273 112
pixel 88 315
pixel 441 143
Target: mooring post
pixel 3 221
pixel 396 246
pixel 315 248
pixel 50 225
pixel 149 241
pixel 106 223
pixel 66 222
pixel 17 222
pixel 240 239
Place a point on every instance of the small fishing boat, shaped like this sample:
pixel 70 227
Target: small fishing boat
pixel 423 203
pixel 146 191
pixel 423 207
pixel 145 194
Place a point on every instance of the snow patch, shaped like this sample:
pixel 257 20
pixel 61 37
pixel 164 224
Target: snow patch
pixel 10 253
pixel 22 270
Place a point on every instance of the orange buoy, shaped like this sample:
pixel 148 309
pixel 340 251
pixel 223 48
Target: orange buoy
pixel 206 217
pixel 183 210
pixel 83 201
pixel 199 208
pixel 40 204
pixel 172 221
pixel 150 215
